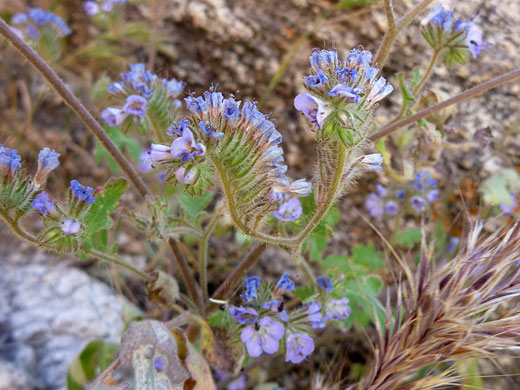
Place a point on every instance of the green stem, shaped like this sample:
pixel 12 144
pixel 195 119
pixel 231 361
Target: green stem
pixel 391 34
pixel 203 257
pixel 427 75
pixel 16 229
pixel 94 254
pixel 80 110
pixel 468 94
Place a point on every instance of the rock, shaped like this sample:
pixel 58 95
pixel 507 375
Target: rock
pixel 49 313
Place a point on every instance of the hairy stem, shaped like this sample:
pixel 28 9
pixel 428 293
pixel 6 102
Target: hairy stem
pixel 16 229
pixel 391 34
pixel 389 11
pixel 80 110
pixel 203 257
pixel 237 275
pixel 468 94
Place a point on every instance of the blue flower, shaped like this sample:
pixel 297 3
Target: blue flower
pixel 159 363
pixel 140 79
pixel 379 89
pixel 177 128
pixel 185 177
pixel 116 88
pixel 251 285
pixel 381 190
pixel 185 147
pixel 316 80
pixel 208 130
pixel 285 284
pixel 113 116
pixel 135 105
pixel 243 315
pixel 337 309
pixel 33 32
pixel 263 336
pixel 325 283
pixel 173 86
pixel 90 8
pixel 433 195
pixel 230 109
pixel 70 226
pixel 347 74
pixel 278 308
pixel 289 211
pixel 314 316
pixel 82 193
pixel 19 18
pixel 400 193
pixel 47 161
pixel 391 207
pixel 374 205
pixel 324 58
pixel 41 17
pixel 423 181
pixel 196 105
pixel 298 347
pixel 343 90
pixel 313 108
pixel 417 203
pixel 43 204
pixel 474 39
pixel 10 161
pixel 362 58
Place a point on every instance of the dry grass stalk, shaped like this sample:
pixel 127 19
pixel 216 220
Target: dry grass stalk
pixel 449 314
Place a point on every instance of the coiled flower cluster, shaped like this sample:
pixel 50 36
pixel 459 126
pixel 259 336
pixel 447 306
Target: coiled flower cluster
pixel 36 23
pixel 263 320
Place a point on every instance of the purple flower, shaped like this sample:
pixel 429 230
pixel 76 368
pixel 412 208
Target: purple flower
pixel 116 88
pixel 47 161
pixel 159 363
pixel 391 207
pixel 177 128
pixel 432 196
pixel 146 162
pixel 379 89
pixel 381 190
pixel 508 209
pixel 423 181
pixel 345 73
pixel 243 315
pixel 361 58
pixel 278 308
pixel 32 32
pixel 317 81
pixel 10 161
pixel 325 283
pixel 263 336
pixel 113 116
pixel 299 346
pixel 173 86
pixel 230 109
pixel 185 147
pixel 400 194
pixel 474 39
pixel 91 8
pixel 417 203
pixel 82 193
pixel 196 105
pixel 185 177
pixel 314 316
pixel 323 58
pixel 251 285
pixel 285 284
pixel 209 130
pixel 343 90
pixel 70 226
pixel 372 162
pixel 135 105
pixel 313 108
pixel 289 211
pixel 159 153
pixel 337 309
pixel 43 204
pixel 19 19
pixel 374 205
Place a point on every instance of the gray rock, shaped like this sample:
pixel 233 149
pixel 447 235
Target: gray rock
pixel 47 316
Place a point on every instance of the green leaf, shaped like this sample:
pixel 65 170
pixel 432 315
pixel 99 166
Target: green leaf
pixel 317 244
pixel 407 95
pixel 94 358
pixel 107 201
pixel 362 294
pixel 124 143
pixel 409 237
pixel 355 3
pixel 366 255
pixel 470 374
pixel 194 205
pixel 303 293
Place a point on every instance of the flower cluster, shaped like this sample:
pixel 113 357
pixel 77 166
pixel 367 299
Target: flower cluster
pixel 421 192
pixel 339 89
pixel 33 23
pixel 95 7
pixel 442 31
pixel 10 161
pixel 263 321
pixel 136 89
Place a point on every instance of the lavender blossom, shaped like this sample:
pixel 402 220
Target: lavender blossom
pixel 374 205
pixel 325 283
pixel 314 316
pixel 10 161
pixel 159 363
pixel 278 308
pixel 285 284
pixel 433 195
pixel 185 177
pixel 135 105
pixel 43 204
pixel 345 91
pixel 251 284
pixel 70 226
pixel 263 336
pixel 208 130
pixel 289 211
pixel 391 207
pixel 113 116
pixel 185 147
pixel 313 108
pixel 337 309
pixel 91 8
pixel 423 181
pixel 298 347
pixel 323 58
pixel 196 105
pixel 316 81
pixel 243 315
pixel 417 203
pixel 82 193
pixel 47 162
pixel 173 86
pixel 177 128
pixel 372 162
